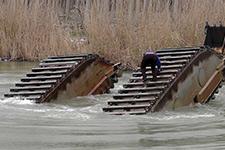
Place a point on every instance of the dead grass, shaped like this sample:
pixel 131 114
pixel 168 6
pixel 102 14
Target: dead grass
pixel 121 34
pixel 30 33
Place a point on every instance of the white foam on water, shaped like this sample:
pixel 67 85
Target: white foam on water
pixel 48 110
pixel 16 101
pixel 74 116
pixel 93 109
pixel 64 112
pixel 182 116
pixel 122 80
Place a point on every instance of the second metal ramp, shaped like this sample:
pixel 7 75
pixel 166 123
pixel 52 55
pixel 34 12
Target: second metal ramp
pixel 139 98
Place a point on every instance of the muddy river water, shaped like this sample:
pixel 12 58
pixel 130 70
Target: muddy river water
pixel 80 124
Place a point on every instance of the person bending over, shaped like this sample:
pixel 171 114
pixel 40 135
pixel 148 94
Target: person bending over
pixel 151 59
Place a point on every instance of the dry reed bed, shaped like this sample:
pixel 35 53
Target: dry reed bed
pixel 120 31
pixel 128 34
pixel 30 33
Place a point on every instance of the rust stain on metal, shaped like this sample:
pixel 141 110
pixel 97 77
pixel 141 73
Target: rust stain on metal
pixel 60 77
pixel 211 85
pixel 105 83
pixel 61 85
pixel 187 71
pixel 89 78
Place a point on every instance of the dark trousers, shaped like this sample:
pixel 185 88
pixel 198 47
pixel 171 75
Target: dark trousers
pixel 149 60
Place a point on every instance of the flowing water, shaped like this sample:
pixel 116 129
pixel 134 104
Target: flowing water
pixel 80 124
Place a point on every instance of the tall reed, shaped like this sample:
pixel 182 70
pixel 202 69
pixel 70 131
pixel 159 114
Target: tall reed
pixel 124 33
pixel 31 31
pixel 120 30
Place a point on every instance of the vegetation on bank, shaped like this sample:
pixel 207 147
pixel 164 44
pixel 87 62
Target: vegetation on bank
pixel 119 31
pixel 31 33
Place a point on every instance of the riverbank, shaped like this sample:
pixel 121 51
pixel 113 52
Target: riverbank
pixel 119 31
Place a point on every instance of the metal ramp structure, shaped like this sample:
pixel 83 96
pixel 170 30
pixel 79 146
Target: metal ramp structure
pixel 189 75
pixel 215 36
pixel 66 77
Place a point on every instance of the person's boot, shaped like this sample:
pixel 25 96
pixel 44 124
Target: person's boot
pixel 145 82
pixel 154 78
pixel 154 74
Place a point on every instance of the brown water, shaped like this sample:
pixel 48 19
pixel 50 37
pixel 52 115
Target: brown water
pixel 80 124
